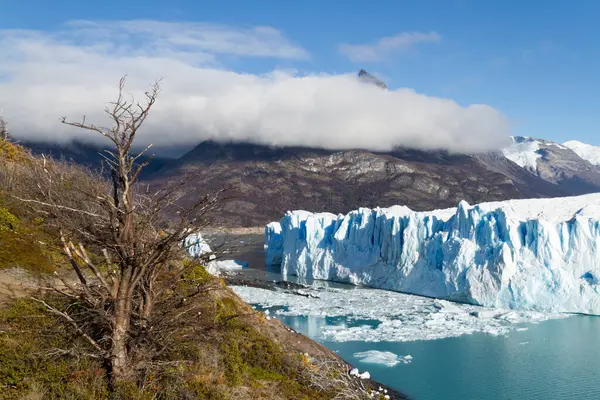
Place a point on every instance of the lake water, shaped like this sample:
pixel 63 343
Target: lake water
pixel 556 359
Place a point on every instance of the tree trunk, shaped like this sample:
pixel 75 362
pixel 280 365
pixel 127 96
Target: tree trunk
pixel 119 357
pixel 146 303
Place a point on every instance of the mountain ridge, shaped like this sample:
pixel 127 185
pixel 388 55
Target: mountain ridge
pixel 268 180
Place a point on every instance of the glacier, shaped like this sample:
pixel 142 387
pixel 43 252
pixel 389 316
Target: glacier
pixel 537 254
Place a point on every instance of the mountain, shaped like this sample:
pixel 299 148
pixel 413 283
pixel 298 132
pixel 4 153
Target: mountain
pixel 586 151
pixel 557 164
pixel 86 154
pixel 268 181
pixel 368 78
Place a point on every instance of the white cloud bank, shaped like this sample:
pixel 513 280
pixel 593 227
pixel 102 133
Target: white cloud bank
pixel 74 71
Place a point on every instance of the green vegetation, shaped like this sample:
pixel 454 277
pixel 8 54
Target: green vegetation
pixel 227 353
pixel 25 241
pixel 31 362
pixel 12 152
pixel 8 222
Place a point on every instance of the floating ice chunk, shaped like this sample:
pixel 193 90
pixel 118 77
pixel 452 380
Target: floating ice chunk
pixel 486 313
pixel 386 358
pixel 215 267
pixel 447 307
pixel 410 318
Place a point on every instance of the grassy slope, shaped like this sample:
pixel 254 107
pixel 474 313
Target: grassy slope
pixel 24 242
pixel 229 351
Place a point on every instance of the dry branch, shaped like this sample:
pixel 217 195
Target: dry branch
pixel 125 243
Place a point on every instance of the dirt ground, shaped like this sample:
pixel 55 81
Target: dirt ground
pixel 15 283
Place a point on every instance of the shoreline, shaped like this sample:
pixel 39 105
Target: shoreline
pixel 240 279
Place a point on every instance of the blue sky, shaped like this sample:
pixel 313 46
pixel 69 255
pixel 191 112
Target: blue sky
pixel 535 61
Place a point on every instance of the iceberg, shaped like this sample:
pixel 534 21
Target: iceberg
pixel 535 254
pixel 196 245
pixel 215 267
pixel 273 239
pixel 385 358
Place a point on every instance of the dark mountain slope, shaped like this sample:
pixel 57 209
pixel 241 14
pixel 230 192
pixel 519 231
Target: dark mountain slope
pixel 86 154
pixel 269 181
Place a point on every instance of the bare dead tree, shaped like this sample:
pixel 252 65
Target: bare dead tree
pixel 118 243
pixel 3 129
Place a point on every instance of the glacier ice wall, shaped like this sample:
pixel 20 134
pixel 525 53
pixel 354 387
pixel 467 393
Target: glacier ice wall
pixel 540 254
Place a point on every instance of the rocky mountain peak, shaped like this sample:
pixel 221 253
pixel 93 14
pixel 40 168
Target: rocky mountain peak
pixel 368 78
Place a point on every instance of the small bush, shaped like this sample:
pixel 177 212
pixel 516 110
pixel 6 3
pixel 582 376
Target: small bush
pixel 11 152
pixel 8 222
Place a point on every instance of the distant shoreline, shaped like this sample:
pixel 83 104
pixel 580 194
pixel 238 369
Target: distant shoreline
pixel 236 230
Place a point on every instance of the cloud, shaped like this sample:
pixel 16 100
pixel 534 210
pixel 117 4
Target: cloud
pixel 259 41
pixel 44 77
pixel 386 46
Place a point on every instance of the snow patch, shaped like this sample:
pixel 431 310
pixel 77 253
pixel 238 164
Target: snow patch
pixel 356 373
pixel 585 151
pixel 523 153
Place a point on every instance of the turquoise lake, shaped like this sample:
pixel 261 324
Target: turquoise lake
pixel 556 359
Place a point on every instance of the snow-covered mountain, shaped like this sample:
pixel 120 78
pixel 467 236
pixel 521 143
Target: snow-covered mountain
pixel 575 166
pixel 539 254
pixel 585 151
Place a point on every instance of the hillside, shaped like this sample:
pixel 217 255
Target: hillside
pixel 228 350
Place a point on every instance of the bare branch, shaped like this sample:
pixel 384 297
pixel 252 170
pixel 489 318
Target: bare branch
pixel 72 323
pixel 41 203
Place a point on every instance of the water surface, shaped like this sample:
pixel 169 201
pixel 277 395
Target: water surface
pixel 557 359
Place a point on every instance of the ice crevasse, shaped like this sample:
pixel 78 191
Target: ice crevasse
pixel 538 254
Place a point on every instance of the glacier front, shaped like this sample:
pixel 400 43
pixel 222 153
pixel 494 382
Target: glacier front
pixel 539 254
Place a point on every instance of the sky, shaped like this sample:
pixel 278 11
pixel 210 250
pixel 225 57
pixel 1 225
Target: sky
pixel 462 75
